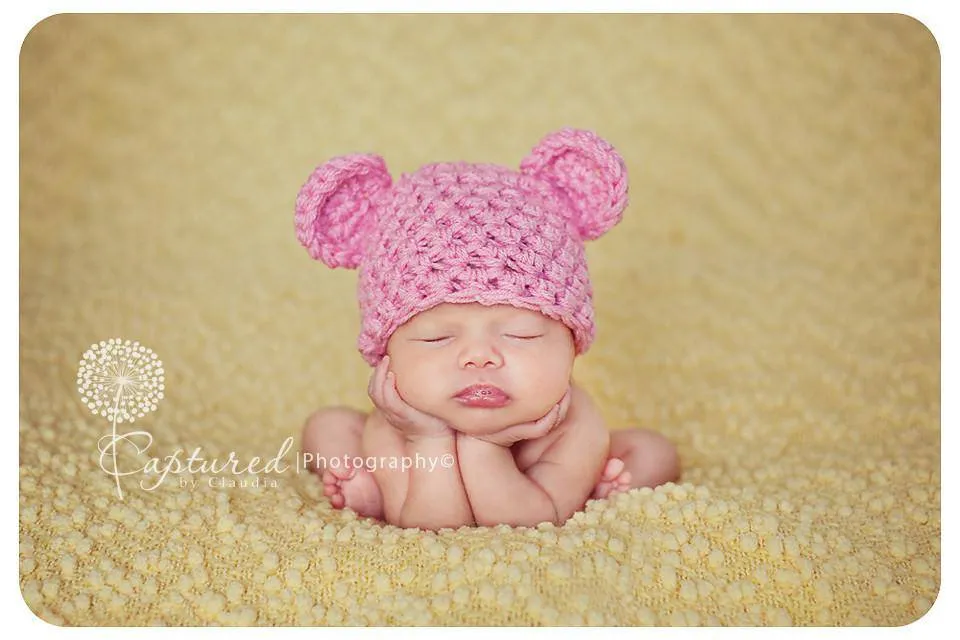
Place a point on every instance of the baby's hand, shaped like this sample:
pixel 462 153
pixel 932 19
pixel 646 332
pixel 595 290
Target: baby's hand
pixel 530 430
pixel 412 423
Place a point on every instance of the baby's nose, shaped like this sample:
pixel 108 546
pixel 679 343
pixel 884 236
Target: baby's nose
pixel 481 354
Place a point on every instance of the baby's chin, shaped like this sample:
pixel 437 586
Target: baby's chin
pixel 481 421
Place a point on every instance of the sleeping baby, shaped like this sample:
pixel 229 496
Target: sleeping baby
pixel 475 300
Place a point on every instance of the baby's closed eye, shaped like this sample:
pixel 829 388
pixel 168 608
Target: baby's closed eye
pixel 514 336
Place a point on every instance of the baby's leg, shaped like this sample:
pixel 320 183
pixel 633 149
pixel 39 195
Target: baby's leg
pixel 638 458
pixel 332 438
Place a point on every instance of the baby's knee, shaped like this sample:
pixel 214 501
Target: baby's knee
pixel 663 457
pixel 331 431
pixel 323 421
pixel 651 458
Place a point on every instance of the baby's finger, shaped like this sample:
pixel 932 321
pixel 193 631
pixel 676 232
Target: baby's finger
pixel 564 406
pixel 387 397
pixel 391 397
pixel 371 384
pixel 402 411
pixel 376 382
pixel 557 414
pixel 549 420
pixel 370 381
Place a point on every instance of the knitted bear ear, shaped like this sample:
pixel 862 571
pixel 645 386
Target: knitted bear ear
pixel 337 207
pixel 589 171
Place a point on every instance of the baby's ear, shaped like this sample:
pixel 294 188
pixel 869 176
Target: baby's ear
pixel 589 171
pixel 338 206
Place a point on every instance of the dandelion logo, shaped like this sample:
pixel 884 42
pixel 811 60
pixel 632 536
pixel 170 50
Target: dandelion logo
pixel 121 381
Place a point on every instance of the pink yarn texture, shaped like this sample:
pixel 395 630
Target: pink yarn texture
pixel 462 232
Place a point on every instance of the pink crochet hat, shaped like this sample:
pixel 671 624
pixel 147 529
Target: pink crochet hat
pixel 459 232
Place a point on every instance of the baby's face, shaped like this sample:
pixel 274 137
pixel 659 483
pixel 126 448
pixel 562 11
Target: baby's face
pixel 443 350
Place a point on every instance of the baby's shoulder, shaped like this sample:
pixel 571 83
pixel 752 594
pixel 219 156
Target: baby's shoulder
pixel 582 406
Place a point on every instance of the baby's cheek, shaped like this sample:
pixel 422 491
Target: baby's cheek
pixel 418 387
pixel 545 379
pixel 554 367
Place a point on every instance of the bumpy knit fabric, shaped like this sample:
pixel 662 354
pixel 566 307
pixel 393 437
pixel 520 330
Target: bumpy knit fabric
pixel 771 302
pixel 460 232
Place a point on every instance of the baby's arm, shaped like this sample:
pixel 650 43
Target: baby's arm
pixel 553 488
pixel 498 492
pixel 569 469
pixel 435 498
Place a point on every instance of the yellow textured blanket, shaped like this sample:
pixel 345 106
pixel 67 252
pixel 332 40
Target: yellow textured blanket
pixel 770 302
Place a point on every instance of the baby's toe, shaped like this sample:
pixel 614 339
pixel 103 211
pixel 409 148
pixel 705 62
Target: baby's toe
pixel 613 468
pixel 620 485
pixel 600 491
pixel 343 473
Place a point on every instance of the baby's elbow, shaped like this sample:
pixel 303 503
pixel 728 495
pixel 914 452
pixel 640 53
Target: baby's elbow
pixel 566 494
pixel 567 507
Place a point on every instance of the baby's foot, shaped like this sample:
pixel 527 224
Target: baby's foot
pixel 353 488
pixel 615 479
